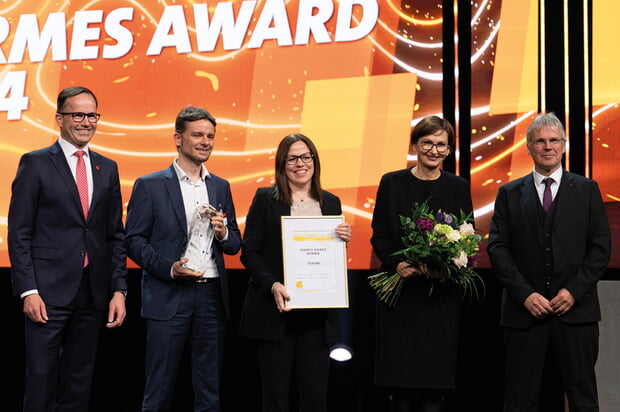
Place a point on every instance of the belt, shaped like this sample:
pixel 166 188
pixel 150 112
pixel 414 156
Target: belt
pixel 207 280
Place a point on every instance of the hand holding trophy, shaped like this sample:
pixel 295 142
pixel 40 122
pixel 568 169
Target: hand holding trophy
pixel 200 237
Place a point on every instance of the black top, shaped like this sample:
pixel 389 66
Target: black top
pixel 417 339
pixel 262 257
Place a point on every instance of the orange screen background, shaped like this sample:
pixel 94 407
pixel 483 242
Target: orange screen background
pixel 357 100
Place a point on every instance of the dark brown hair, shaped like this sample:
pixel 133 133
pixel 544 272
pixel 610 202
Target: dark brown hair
pixel 431 125
pixel 191 114
pixel 282 191
pixel 71 92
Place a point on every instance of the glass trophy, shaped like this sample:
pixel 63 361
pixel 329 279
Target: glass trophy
pixel 200 238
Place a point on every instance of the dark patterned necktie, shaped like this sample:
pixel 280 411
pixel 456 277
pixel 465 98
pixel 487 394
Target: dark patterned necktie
pixel 547 198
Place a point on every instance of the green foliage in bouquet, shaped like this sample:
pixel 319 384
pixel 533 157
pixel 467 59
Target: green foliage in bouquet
pixel 446 245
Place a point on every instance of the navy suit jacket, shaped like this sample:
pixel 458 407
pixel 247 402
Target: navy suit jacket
pixel 47 234
pixel 156 232
pixel 581 247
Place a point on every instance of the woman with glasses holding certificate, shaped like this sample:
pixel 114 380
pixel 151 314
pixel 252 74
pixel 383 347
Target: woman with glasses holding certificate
pixel 417 337
pixel 292 345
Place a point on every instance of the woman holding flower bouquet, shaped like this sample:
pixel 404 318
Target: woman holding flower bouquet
pixel 292 345
pixel 418 308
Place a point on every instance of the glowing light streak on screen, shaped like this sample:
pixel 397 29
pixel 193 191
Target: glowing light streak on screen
pixel 12 6
pixel 413 20
pixel 603 109
pixel 163 126
pixel 141 153
pixel 486 45
pixel 135 3
pixel 481 7
pixel 401 38
pixel 421 73
pixel 501 131
pixel 436 45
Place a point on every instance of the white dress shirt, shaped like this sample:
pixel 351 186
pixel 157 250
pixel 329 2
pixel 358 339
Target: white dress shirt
pixel 194 195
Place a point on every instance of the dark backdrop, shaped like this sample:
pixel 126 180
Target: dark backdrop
pixel 119 377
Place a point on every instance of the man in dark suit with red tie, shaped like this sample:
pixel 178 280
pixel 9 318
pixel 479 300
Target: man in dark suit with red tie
pixel 66 246
pixel 549 245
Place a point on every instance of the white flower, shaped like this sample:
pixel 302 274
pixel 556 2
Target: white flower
pixel 461 260
pixel 453 235
pixel 466 229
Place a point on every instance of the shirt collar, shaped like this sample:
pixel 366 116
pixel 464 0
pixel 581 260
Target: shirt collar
pixel 556 176
pixel 69 150
pixel 181 175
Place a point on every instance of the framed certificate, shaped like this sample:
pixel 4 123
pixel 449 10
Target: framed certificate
pixel 315 262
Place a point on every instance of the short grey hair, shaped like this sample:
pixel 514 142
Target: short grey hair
pixel 545 120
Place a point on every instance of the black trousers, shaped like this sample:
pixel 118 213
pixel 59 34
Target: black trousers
pixel 301 358
pixel 575 350
pixel 61 355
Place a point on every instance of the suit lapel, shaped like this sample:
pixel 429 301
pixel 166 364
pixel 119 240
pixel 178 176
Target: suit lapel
pixel 211 192
pixel 328 207
pixel 567 193
pixel 529 205
pixel 97 180
pixel 60 163
pixel 176 197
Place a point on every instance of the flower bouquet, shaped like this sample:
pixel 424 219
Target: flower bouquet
pixel 446 246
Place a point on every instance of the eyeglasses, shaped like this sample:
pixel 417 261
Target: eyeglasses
pixel 306 158
pixel 441 146
pixel 79 116
pixel 554 141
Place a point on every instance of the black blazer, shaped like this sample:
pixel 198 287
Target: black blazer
pixel 581 243
pixel 47 234
pixel 262 257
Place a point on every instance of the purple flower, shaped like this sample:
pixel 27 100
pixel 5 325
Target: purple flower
pixel 424 223
pixel 444 218
pixel 472 261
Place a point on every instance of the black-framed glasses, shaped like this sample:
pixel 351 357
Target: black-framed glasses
pixel 79 116
pixel 306 158
pixel 441 147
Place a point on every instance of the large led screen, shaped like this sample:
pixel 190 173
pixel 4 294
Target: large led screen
pixel 353 75
pixel 350 74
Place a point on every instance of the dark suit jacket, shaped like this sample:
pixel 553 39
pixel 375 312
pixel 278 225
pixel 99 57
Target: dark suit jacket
pixel 262 257
pixel 581 243
pixel 156 231
pixel 47 233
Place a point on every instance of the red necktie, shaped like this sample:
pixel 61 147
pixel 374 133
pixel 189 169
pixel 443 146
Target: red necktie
pixel 547 197
pixel 82 184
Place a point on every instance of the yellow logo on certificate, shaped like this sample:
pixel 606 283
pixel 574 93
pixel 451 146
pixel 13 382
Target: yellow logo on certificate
pixel 313 236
